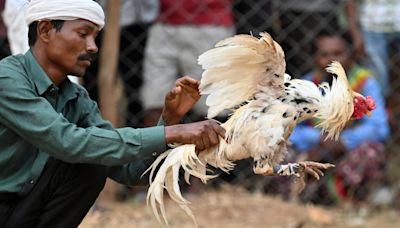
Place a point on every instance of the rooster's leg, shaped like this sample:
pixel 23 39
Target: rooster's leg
pixel 291 169
pixel 262 167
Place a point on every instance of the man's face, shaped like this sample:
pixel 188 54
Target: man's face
pixel 71 49
pixel 330 48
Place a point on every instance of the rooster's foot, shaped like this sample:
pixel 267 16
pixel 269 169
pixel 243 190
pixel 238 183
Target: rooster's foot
pixel 301 168
pixel 315 169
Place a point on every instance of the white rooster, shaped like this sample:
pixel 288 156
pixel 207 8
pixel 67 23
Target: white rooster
pixel 247 75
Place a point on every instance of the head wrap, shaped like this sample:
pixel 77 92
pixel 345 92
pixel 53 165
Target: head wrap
pixel 65 10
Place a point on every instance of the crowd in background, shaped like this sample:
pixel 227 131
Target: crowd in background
pixel 161 39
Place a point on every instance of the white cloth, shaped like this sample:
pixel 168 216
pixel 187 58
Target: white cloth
pixel 380 15
pixel 14 15
pixel 65 10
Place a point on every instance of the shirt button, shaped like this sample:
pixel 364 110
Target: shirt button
pixel 31 182
pixel 154 154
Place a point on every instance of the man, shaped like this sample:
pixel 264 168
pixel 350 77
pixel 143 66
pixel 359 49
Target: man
pixel 56 151
pixel 359 153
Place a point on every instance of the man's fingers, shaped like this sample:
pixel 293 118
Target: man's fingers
pixel 206 139
pixel 174 92
pixel 189 81
pixel 218 129
pixel 190 89
pixel 214 138
pixel 199 145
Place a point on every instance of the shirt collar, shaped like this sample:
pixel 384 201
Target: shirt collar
pixel 42 80
pixel 69 89
pixel 37 74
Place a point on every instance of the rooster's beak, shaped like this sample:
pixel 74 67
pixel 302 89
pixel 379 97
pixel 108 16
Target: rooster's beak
pixel 369 113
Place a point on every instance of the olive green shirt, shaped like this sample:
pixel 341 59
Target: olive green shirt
pixel 39 120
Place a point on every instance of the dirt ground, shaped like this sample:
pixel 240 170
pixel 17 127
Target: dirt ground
pixel 235 208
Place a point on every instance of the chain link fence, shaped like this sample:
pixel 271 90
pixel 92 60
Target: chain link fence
pixel 294 26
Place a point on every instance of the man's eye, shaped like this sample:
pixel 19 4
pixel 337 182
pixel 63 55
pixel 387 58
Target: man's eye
pixel 82 34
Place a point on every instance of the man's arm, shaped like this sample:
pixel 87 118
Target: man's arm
pixel 35 121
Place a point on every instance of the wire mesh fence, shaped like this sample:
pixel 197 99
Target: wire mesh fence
pixel 293 24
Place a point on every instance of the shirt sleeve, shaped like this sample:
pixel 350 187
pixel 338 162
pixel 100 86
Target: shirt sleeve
pixel 34 119
pixel 374 128
pixel 132 173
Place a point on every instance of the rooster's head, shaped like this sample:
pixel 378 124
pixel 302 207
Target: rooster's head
pixel 363 106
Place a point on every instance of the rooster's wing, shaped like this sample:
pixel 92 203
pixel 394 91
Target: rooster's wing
pixel 238 68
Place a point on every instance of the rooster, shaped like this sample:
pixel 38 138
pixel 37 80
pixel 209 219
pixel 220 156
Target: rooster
pixel 247 75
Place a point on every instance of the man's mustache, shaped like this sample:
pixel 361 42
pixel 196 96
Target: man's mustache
pixel 89 57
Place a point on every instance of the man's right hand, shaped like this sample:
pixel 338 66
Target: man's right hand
pixel 203 134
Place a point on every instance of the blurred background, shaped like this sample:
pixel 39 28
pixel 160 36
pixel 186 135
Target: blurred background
pixel 147 44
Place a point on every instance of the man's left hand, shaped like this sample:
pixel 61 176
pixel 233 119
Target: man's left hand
pixel 180 99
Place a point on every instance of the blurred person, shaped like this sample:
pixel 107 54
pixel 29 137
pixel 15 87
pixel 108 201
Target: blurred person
pixel 183 30
pixel 374 26
pixel 4 47
pixel 17 30
pixel 136 16
pixel 359 153
pixel 300 22
pixel 56 150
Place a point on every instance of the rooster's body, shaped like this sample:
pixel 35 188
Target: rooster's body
pixel 247 75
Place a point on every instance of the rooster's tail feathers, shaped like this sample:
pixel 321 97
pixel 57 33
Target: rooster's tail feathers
pixel 167 178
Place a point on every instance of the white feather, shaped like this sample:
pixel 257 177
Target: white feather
pixel 237 68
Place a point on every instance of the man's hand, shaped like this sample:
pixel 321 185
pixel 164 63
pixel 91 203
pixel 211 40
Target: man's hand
pixel 204 134
pixel 180 99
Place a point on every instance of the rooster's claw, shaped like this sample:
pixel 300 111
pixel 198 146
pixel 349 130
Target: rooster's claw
pixel 313 168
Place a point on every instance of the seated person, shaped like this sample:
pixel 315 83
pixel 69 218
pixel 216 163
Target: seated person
pixel 359 152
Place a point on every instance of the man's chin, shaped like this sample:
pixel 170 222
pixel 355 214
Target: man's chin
pixel 78 73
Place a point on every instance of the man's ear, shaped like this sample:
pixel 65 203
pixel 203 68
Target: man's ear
pixel 44 29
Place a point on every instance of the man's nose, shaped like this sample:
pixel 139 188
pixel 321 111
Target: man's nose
pixel 91 46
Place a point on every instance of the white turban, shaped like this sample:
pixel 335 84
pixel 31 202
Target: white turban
pixel 65 10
